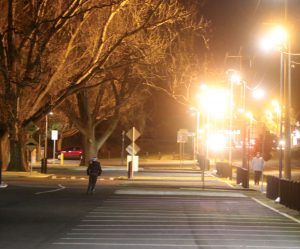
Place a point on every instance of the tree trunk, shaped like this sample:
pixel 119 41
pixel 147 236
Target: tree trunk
pixel 90 146
pixel 4 150
pixel 17 160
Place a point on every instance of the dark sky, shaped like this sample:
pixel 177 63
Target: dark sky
pixel 237 25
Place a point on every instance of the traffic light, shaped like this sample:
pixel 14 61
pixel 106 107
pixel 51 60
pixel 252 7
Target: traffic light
pixel 257 145
pixel 265 144
pixel 268 144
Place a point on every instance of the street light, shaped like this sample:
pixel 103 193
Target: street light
pixel 196 112
pixel 257 93
pixel 44 163
pixel 278 39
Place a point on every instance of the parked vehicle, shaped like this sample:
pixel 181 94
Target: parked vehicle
pixel 70 153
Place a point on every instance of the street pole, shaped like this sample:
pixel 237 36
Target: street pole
pixel 46 145
pixel 122 151
pixel 230 124
pixel 287 121
pixel 282 67
pixel 197 135
pixel 244 126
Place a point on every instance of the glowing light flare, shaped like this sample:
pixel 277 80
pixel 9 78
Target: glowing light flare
pixel 258 94
pixel 215 102
pixel 276 106
pixel 276 39
pixel 269 114
pixel 216 142
pixel 249 115
pixel 235 78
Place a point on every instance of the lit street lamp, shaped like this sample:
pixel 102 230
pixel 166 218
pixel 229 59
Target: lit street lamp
pixel 257 93
pixel 44 162
pixel 278 39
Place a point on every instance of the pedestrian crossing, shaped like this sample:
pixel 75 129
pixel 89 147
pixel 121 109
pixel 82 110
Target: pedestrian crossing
pixel 165 221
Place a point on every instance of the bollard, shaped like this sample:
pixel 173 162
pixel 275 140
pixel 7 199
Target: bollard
pixel 130 170
pixel 62 159
pixel 0 172
pixel 42 165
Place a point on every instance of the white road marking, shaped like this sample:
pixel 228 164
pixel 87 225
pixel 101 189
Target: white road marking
pixel 269 233
pixel 190 221
pixel 275 210
pixel 172 226
pixel 176 192
pixel 168 245
pixel 160 215
pixel 181 239
pixel 61 187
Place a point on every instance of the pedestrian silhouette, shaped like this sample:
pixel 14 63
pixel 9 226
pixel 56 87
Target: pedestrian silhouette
pixel 257 166
pixel 93 171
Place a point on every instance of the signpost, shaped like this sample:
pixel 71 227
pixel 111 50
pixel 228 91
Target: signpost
pixel 54 137
pixel 31 144
pixel 182 138
pixel 132 149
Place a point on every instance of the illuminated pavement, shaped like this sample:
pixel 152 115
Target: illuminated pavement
pixel 161 219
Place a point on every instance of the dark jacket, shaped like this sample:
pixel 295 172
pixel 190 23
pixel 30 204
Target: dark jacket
pixel 94 168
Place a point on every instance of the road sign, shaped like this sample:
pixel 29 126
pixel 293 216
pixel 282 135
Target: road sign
pixel 54 134
pixel 182 136
pixel 31 128
pixel 31 144
pixel 135 150
pixel 133 134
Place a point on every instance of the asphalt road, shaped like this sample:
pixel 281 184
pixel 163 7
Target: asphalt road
pixel 148 212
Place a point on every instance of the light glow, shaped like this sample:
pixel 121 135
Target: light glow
pixel 215 102
pixel 216 142
pixel 276 39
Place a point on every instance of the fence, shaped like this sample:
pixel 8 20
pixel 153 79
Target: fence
pixel 288 191
pixel 242 177
pixel 224 169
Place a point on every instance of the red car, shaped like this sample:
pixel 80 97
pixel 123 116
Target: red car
pixel 70 153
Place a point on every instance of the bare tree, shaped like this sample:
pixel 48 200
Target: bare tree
pixel 50 50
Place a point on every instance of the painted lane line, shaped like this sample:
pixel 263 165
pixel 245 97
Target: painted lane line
pixel 187 239
pixel 185 217
pixel 168 245
pixel 269 233
pixel 275 210
pixel 190 221
pixel 178 229
pixel 61 187
pixel 191 225
pixel 175 192
pixel 222 181
pixel 152 212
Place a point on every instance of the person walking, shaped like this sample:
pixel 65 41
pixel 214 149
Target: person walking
pixel 257 166
pixel 93 171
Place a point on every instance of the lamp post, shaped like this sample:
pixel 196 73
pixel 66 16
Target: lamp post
pixel 278 39
pixel 44 162
pixel 196 112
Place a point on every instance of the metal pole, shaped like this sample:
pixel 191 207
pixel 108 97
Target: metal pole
pixel 54 150
pixel 197 134
pixel 282 62
pixel 122 151
pixel 230 124
pixel 132 157
pixel 0 172
pixel 46 144
pixel 287 121
pixel 244 126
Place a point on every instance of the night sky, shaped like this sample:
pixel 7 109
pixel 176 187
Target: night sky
pixel 237 25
